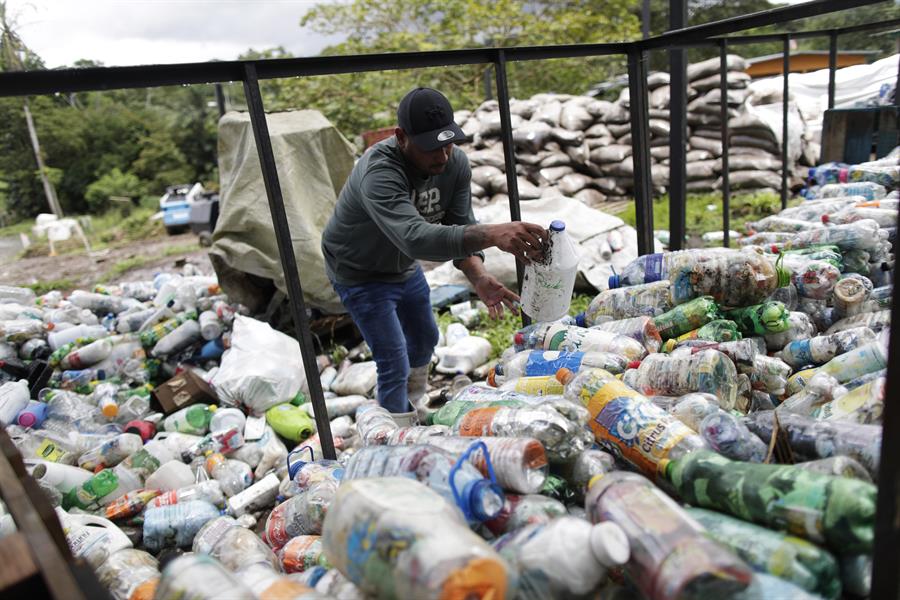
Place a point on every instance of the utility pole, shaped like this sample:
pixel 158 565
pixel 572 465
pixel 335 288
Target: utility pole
pixel 52 200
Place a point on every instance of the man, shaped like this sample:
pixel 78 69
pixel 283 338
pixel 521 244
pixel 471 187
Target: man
pixel 409 198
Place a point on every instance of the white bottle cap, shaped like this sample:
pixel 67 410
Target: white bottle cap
pixel 609 544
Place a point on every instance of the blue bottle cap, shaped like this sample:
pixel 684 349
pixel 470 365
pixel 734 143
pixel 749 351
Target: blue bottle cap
pixel 557 226
pixel 580 320
pixel 613 281
pixel 483 499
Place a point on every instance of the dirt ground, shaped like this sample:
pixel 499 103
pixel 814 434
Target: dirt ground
pixel 84 270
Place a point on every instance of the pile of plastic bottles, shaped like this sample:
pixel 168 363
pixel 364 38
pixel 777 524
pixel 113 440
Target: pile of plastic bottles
pixel 626 452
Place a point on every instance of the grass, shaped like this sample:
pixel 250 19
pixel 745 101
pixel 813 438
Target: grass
pixel 136 262
pixel 704 212
pixel 42 287
pixel 500 332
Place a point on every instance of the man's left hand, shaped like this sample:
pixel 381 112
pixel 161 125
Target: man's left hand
pixel 495 295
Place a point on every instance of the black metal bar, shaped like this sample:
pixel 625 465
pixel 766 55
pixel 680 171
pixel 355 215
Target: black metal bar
pixel 762 18
pixel 786 70
pixel 726 144
pixel 509 158
pixel 678 18
pixel 813 33
pixel 640 149
pixel 897 83
pixel 645 19
pixel 832 66
pixel 486 80
pixel 886 566
pixel 288 259
pixel 220 99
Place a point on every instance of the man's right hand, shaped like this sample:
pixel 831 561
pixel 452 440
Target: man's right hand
pixel 525 241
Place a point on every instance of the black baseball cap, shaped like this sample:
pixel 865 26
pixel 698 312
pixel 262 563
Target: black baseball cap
pixel 427 118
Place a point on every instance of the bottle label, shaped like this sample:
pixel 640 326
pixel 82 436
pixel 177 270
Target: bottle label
pixel 548 363
pixel 633 427
pixel 477 422
pixel 539 386
pixel 653 268
pixel 49 451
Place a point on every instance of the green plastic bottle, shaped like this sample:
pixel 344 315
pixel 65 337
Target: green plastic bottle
pixel 452 411
pixel 687 317
pixel 837 511
pixel 193 419
pixel 791 558
pixel 290 422
pixel 761 319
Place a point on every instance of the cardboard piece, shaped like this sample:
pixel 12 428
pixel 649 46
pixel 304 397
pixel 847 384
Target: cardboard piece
pixel 184 389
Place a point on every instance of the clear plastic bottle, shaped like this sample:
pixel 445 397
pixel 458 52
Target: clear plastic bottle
pixel 210 325
pixel 111 452
pixel 707 371
pixel 303 553
pixel 302 514
pixel 519 463
pixel 627 424
pixel 547 287
pixel 866 189
pixel 176 525
pixel 208 491
pixel 19 331
pixel 849 294
pixel 791 558
pixel 566 557
pixel 238 548
pixel 374 424
pixel 457 481
pixel 88 355
pixel 686 317
pixel 876 321
pixel 839 466
pixel 19 295
pixel 859 235
pixel 725 434
pixel 99 303
pixel 523 510
pixel 529 363
pixel 821 349
pixel 130 574
pixel 556 336
pixel 863 404
pixel 770 374
pixel 14 396
pixel 671 557
pixel 179 338
pixel 589 465
pixel 199 577
pixel 539 385
pixel 647 300
pixel 885 217
pixel 233 475
pixel 641 329
pixel 440 556
pixel 562 438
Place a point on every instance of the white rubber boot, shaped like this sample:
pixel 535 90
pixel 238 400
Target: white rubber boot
pixel 407 419
pixel 416 388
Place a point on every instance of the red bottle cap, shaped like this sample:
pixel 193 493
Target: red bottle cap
pixel 634 364
pixel 145 429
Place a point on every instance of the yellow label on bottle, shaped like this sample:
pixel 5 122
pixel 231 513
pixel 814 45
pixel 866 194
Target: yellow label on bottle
pixel 49 451
pixel 543 385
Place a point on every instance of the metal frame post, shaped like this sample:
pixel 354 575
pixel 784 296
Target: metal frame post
pixel 288 259
pixel 220 99
pixel 509 158
pixel 832 66
pixel 786 70
pixel 726 143
pixel 640 148
pixel 678 18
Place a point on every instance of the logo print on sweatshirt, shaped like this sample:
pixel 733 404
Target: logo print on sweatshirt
pixel 428 204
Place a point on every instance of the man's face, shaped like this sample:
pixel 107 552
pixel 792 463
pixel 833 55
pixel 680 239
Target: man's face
pixel 430 163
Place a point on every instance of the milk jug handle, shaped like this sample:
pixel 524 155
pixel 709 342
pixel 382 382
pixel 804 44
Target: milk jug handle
pixel 465 455
pixel 294 467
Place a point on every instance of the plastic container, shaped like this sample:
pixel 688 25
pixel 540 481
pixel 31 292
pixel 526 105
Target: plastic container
pixel 170 476
pixel 200 577
pixel 519 463
pixel 641 329
pixel 686 317
pixel 303 514
pixel 291 422
pixel 557 336
pixel 226 418
pixel 647 300
pixel 761 319
pixel 670 555
pixel 836 511
pixel 92 538
pixel 303 553
pixel 566 557
pixel 547 286
pixel 57 339
pixel 176 525
pixel 179 338
pixel 530 363
pixel 439 557
pixel 32 415
pixel 208 491
pixel 192 419
pixel 111 452
pixel 233 475
pixel 521 511
pixel 707 371
pixel 821 349
pixel 130 574
pixel 101 489
pixel 18 295
pixel 14 397
pixel 626 424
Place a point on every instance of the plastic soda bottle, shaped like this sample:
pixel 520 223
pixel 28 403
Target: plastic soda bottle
pixel 234 476
pixel 585 553
pixel 520 463
pixel 641 329
pixel 201 577
pixel 837 511
pixel 686 317
pixel 626 423
pixel 130 574
pixel 111 452
pixel 193 419
pixel 302 553
pixel 291 422
pixel 821 349
pixel 176 525
pixel 439 556
pixel 531 363
pixel 547 286
pixel 557 336
pixel 670 555
pixel 303 514
pixel 706 371
pixel 647 300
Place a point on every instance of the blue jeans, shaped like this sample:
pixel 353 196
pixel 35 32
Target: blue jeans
pixel 396 321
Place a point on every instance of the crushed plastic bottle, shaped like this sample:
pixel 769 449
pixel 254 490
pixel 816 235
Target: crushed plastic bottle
pixel 556 336
pixel 547 285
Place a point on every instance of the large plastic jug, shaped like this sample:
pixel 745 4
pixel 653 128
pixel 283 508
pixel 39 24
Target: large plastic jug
pixel 14 397
pixel 547 285
pixel 91 537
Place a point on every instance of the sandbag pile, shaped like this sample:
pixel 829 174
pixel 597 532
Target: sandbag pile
pixel 580 146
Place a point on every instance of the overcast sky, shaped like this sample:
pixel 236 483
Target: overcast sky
pixel 134 32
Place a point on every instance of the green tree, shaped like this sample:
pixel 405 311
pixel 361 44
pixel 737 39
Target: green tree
pixel 363 101
pixel 114 183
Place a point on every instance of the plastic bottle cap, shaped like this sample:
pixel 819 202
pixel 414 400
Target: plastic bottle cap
pixel 519 339
pixel 634 364
pixel 825 218
pixel 564 375
pixel 492 377
pixel 558 225
pixel 27 419
pixel 580 319
pixel 110 410
pixel 609 544
pixel 613 281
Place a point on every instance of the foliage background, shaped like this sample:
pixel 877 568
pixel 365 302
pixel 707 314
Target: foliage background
pixel 135 142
